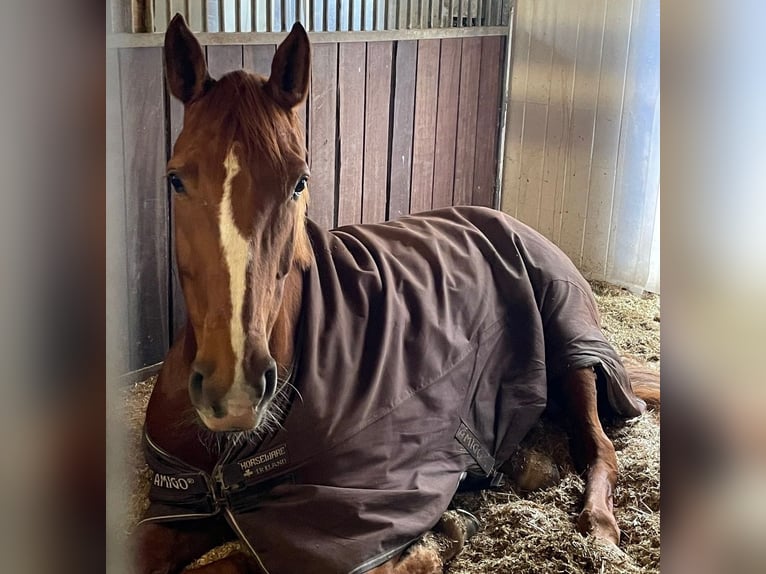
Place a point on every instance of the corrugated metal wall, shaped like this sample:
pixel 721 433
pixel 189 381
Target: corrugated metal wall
pixel 582 139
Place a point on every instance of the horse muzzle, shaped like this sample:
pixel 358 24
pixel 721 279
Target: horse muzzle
pixel 241 408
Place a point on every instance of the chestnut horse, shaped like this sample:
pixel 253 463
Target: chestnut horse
pixel 245 260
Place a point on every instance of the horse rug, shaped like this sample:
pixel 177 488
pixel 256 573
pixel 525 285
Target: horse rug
pixel 425 349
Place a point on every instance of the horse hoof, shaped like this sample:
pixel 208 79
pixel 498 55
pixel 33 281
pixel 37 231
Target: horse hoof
pixel 600 524
pixel 532 470
pixel 471 523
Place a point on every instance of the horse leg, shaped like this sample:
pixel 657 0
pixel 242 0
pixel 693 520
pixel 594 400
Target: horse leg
pixel 436 548
pixel 164 549
pixel 595 453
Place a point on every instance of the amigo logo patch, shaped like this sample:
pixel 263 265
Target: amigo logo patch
pixel 470 443
pixel 172 482
pixel 264 463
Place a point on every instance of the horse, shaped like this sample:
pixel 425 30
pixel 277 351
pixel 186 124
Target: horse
pixel 331 390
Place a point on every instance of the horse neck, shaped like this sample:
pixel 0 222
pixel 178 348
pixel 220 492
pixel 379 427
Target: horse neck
pixel 282 342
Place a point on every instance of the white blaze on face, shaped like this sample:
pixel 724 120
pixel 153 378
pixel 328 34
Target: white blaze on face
pixel 236 251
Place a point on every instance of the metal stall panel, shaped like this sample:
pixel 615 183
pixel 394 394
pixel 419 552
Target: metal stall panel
pixel 581 149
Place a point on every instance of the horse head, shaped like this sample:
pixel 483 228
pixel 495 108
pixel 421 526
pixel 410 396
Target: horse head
pixel 239 177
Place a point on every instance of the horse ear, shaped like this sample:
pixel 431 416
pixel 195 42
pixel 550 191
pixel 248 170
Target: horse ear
pixel 290 69
pixel 185 66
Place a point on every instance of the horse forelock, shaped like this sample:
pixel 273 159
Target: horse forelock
pixel 264 129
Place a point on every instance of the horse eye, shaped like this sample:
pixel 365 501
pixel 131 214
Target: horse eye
pixel 176 182
pixel 300 187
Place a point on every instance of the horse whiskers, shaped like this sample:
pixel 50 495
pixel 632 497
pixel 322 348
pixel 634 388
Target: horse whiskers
pixel 212 441
pixel 273 417
pixel 294 388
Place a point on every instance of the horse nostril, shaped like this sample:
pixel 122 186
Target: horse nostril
pixel 195 386
pixel 270 380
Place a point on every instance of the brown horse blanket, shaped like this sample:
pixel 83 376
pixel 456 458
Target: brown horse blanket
pixel 427 345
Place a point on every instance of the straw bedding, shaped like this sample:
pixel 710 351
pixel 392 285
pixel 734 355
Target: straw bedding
pixel 533 532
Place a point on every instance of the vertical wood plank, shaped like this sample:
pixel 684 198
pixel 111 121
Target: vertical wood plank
pixel 223 59
pixel 324 75
pixel 488 120
pixel 376 124
pixel 468 102
pixel 351 84
pixel 426 96
pixel 143 112
pixel 404 116
pixel 606 139
pixel 585 93
pixel 446 121
pixel 302 112
pixel 258 59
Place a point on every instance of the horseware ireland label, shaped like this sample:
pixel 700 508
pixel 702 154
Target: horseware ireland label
pixel 261 464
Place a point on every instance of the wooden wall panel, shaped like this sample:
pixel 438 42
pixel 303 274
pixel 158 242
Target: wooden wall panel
pixel 488 120
pixel 322 135
pixel 465 145
pixel 258 59
pixel 376 126
pixel 223 59
pixel 426 96
pixel 146 208
pixel 384 121
pixel 351 90
pixel 446 122
pixel 403 122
